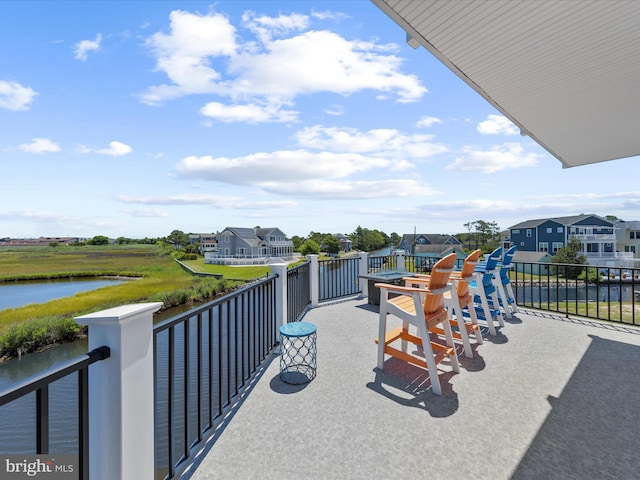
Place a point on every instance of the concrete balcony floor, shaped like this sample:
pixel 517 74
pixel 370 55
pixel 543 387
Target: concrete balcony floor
pixel 547 398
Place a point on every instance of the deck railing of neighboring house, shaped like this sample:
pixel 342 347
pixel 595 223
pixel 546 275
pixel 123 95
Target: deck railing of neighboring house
pixel 40 383
pixel 604 293
pixel 298 291
pixel 202 361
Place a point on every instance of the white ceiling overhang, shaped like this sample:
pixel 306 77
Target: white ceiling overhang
pixel 566 72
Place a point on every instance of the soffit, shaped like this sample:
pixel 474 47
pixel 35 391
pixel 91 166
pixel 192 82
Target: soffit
pixel 567 72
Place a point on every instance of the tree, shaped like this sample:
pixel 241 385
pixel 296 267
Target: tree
pixel 395 239
pixel 367 240
pixel 178 239
pixel 99 240
pixel 570 254
pixel 297 242
pixel 309 247
pixel 331 244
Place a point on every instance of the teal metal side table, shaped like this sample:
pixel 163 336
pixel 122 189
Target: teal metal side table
pixel 298 352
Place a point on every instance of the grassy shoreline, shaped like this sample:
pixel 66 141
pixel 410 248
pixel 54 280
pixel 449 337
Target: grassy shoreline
pixel 35 326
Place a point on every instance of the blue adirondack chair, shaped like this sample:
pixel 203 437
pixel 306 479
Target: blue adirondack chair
pixel 485 293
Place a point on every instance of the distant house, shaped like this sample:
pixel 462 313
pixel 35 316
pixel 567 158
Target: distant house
pixel 410 241
pixel 528 262
pixel 39 242
pixel 345 242
pixel 246 246
pixel 207 242
pixel 551 234
pixel 628 237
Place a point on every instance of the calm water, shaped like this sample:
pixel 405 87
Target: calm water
pixel 17 294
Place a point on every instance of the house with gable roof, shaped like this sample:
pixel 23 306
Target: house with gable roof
pixel 549 235
pixel 250 246
pixel 410 241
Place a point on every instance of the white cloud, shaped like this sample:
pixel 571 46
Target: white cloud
pixel 281 167
pixel 329 15
pixel 202 55
pixel 147 213
pixel 218 201
pixel 334 109
pixel 116 149
pixel 427 122
pixel 14 96
pixel 355 190
pixel 501 157
pixel 497 124
pixel 265 27
pixel 185 54
pixel 83 47
pixel 331 164
pixel 384 142
pixel 39 145
pixel 247 113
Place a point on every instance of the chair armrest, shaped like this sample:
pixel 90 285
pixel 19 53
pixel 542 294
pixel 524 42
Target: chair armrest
pixel 400 289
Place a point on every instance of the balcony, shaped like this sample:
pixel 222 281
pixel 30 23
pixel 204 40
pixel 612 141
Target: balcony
pixel 549 397
pixel 552 395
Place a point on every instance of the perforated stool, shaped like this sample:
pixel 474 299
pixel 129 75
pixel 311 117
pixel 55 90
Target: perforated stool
pixel 298 352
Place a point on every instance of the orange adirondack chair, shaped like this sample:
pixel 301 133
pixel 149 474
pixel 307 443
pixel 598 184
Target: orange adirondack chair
pixel 456 300
pixel 424 308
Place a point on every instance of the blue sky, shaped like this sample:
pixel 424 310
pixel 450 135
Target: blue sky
pixel 135 118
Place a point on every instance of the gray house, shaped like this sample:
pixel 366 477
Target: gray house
pixel 249 246
pixel 410 241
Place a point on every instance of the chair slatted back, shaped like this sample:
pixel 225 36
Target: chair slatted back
pixel 492 265
pixel 506 264
pixel 438 281
pixel 466 275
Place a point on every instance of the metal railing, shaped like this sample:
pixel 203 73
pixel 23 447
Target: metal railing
pixel 604 293
pixel 40 383
pixel 298 291
pixel 202 361
pixel 339 278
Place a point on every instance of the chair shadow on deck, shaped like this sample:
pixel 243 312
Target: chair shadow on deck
pixel 410 386
pixel 592 430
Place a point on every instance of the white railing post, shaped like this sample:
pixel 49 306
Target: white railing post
pixel 400 261
pixel 280 270
pixel 314 279
pixel 121 406
pixel 363 269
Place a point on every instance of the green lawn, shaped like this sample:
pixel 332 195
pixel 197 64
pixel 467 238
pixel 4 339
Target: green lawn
pixel 236 273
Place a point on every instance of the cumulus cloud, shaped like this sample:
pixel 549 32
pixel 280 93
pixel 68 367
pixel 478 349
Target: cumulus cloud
pixel 332 163
pixel 280 167
pixel 497 124
pixel 265 27
pixel 116 149
pixel 501 157
pixel 427 122
pixel 386 142
pixel 84 47
pixel 202 54
pixel 39 145
pixel 185 54
pixel 14 96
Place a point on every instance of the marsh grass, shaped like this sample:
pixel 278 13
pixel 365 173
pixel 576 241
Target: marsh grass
pixel 157 277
